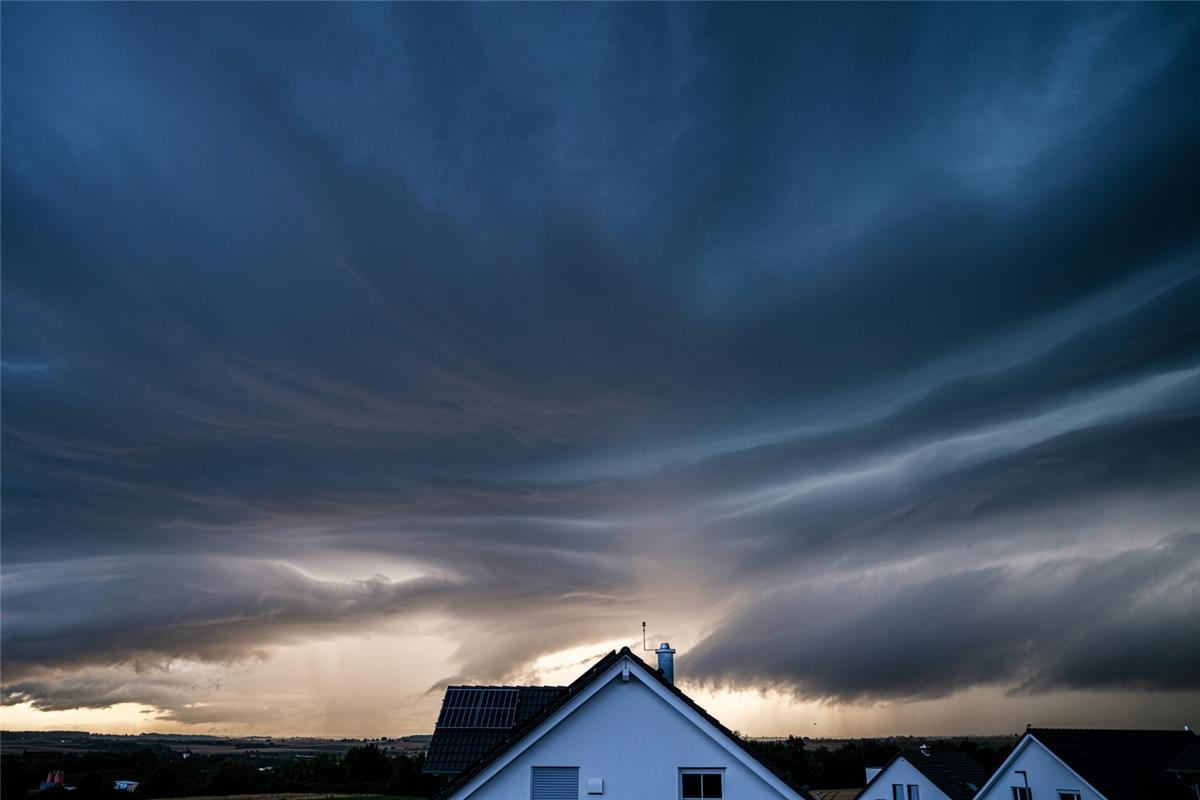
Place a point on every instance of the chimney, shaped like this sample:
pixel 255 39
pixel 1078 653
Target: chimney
pixel 666 661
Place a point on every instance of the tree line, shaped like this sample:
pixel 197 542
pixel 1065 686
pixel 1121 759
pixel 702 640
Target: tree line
pixel 164 773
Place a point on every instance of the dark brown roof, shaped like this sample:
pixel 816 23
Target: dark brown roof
pixel 1122 765
pixel 520 731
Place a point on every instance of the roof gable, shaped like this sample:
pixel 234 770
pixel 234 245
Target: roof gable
pixel 952 771
pixel 955 773
pixel 1024 744
pixel 1116 764
pixel 628 666
pixel 1121 764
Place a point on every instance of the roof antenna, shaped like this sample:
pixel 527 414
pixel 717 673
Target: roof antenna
pixel 666 657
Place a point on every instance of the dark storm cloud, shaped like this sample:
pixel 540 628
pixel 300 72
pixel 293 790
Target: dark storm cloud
pixel 210 610
pixel 67 691
pixel 1122 622
pixel 557 305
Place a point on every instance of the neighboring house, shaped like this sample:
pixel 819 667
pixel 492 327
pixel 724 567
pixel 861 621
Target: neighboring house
pixel 926 775
pixel 1186 767
pixel 622 730
pixel 1071 764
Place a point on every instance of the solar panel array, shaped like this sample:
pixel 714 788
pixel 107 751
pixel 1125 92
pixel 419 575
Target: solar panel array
pixel 472 707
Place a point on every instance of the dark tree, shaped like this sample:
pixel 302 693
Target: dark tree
pixel 233 776
pixel 162 781
pixel 409 780
pixel 93 787
pixel 367 764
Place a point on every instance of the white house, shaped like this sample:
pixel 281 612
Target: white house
pixel 926 775
pixel 1077 764
pixel 622 730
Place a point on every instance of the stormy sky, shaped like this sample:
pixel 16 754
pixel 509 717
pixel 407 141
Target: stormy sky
pixel 352 349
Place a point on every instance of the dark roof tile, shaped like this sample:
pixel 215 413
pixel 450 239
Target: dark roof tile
pixel 1121 764
pixel 1188 762
pixel 952 771
pixel 454 749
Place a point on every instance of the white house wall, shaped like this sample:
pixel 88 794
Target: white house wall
pixel 634 740
pixel 901 771
pixel 1047 777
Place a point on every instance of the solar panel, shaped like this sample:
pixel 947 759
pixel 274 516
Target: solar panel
pixel 478 708
pixel 497 708
pixel 458 708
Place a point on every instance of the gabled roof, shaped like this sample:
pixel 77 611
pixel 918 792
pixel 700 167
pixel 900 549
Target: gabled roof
pixel 954 772
pixel 1119 764
pixel 1122 765
pixel 581 684
pixel 1188 762
pixel 454 749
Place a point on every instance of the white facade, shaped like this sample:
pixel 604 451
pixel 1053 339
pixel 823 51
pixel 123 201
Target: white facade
pixel 1032 765
pixel 901 773
pixel 631 736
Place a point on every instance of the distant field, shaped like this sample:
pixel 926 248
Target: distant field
pixel 15 742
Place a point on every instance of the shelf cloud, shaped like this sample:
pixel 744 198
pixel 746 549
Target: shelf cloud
pixel 823 335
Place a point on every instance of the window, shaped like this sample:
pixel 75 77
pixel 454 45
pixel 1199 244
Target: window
pixel 897 791
pixel 1069 795
pixel 701 784
pixel 1022 793
pixel 554 783
pixel 914 792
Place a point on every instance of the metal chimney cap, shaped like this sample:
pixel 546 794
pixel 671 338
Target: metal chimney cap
pixel 666 661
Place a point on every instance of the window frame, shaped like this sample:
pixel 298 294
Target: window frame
pixel 914 791
pixel 1069 794
pixel 701 771
pixel 1022 793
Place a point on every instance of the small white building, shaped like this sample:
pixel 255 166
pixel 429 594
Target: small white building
pixel 926 775
pixel 1079 764
pixel 623 730
pixel 125 786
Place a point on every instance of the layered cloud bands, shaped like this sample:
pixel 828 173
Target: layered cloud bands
pixel 1123 622
pixel 859 351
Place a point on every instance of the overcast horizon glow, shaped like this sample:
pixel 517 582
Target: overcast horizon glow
pixel 351 350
